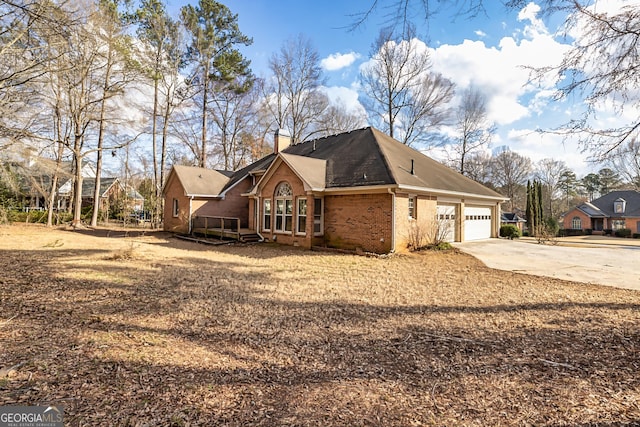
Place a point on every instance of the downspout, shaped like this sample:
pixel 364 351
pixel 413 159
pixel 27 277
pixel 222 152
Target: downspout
pixel 257 224
pixel 393 220
pixel 190 213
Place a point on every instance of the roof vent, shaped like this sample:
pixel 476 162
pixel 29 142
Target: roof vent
pixel 412 171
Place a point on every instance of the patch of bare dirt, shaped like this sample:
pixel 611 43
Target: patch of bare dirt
pixel 150 330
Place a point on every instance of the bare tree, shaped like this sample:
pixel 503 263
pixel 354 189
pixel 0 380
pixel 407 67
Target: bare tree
pixel 400 13
pixel 549 172
pixel 403 97
pixel 478 167
pixel 109 31
pixel 510 173
pixel 27 30
pixel 602 66
pixel 163 54
pixel 232 113
pixel 626 160
pixel 337 119
pixel 473 126
pixel 293 94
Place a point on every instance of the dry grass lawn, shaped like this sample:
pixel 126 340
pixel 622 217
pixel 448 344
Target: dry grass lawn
pixel 149 330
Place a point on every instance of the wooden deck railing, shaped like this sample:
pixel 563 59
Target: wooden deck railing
pixel 216 225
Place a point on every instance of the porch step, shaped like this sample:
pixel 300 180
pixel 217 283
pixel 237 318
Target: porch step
pixel 250 238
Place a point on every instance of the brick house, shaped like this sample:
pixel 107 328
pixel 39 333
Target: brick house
pixel 613 211
pixel 359 190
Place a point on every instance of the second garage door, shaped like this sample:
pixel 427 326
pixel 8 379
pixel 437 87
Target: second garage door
pixel 477 223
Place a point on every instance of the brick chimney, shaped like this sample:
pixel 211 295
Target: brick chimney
pixel 281 140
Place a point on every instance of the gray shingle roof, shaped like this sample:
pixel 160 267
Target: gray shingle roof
pixel 368 157
pixel 632 208
pixel 364 157
pixel 199 181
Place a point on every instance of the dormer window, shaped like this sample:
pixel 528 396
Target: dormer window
pixel 619 206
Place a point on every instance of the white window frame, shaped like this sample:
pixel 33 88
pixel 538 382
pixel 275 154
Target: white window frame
pixel 318 219
pixel 283 199
pixel 300 201
pixel 266 202
pixel 618 224
pixel 411 205
pixel 176 208
pixel 576 220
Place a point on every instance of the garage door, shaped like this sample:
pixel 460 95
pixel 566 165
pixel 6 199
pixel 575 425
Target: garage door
pixel 477 223
pixel 446 222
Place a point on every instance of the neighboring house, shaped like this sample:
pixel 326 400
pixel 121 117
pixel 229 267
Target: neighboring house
pixel 613 211
pixel 112 193
pixel 360 190
pixel 513 219
pixel 35 178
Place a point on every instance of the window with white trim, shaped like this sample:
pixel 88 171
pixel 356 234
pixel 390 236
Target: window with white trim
pixel 176 208
pixel 412 207
pixel 266 222
pixel 301 218
pixel 318 217
pixel 618 224
pixel 284 208
pixel 576 223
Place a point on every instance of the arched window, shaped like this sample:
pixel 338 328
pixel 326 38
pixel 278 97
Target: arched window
pixel 576 223
pixel 284 207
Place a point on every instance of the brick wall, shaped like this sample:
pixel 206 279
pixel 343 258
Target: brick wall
pixel 284 174
pixel 233 206
pixel 359 221
pixel 425 215
pixel 567 222
pixel 174 190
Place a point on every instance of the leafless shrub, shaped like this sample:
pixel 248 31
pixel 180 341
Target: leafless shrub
pixel 125 254
pixel 427 234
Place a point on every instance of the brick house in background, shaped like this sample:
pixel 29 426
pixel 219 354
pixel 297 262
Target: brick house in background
pixel 613 211
pixel 360 190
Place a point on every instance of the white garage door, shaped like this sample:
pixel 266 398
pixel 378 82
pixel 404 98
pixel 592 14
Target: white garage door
pixel 477 223
pixel 446 222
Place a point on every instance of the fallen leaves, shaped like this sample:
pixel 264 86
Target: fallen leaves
pixel 183 334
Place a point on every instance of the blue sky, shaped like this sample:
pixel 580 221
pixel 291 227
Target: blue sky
pixel 488 51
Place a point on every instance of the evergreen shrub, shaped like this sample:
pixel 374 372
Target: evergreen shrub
pixel 509 231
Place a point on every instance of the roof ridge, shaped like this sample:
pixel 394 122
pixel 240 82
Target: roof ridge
pixel 383 154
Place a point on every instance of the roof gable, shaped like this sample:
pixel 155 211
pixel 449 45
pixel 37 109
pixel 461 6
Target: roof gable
pixel 353 159
pixel 200 181
pixel 311 171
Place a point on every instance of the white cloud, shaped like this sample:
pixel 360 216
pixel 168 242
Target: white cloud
pixel 480 33
pixel 530 13
pixel 346 97
pixel 502 72
pixel 337 61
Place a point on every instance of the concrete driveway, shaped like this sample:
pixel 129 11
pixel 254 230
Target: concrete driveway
pixel 605 261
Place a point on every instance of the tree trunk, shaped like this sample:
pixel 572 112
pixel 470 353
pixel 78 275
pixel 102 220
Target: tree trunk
pixel 203 151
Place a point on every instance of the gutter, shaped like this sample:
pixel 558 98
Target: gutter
pixel 449 192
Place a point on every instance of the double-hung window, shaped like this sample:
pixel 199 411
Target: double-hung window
pixel 318 219
pixel 301 222
pixel 266 224
pixel 412 207
pixel 284 208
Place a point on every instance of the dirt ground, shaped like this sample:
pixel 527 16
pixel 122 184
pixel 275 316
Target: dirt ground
pixel 148 330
